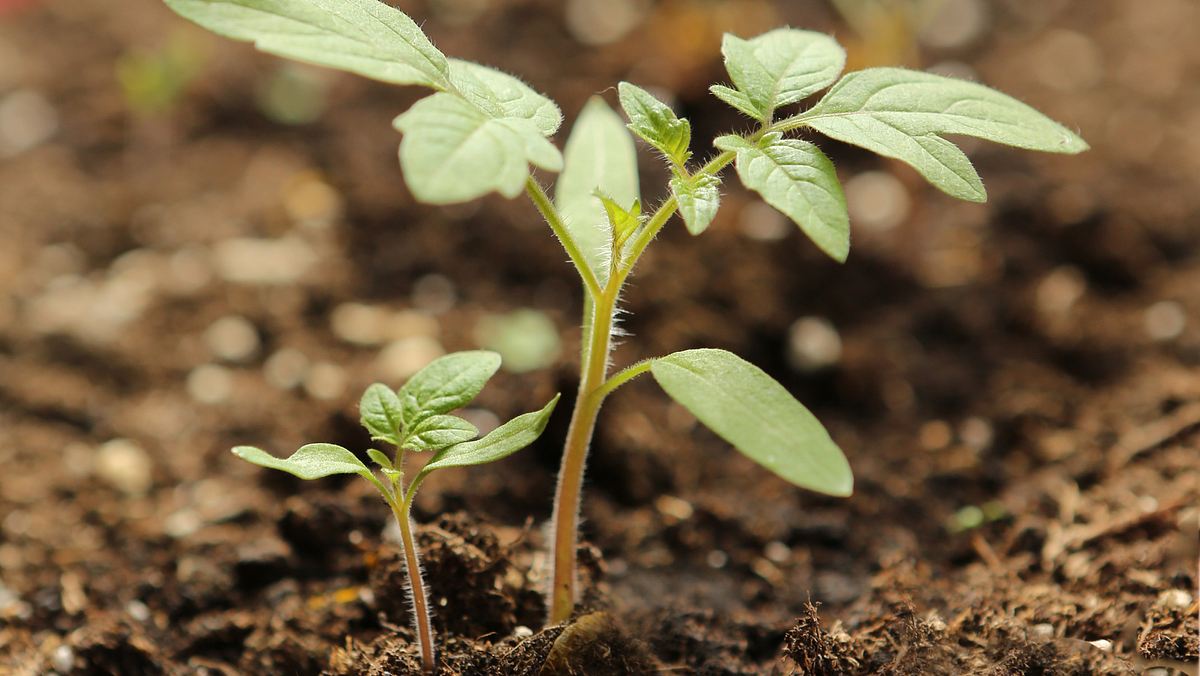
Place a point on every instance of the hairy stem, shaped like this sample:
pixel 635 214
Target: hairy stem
pixel 579 435
pixel 555 221
pixel 416 586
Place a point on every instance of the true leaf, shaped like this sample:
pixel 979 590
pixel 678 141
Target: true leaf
pixel 798 179
pixel 366 37
pixel 698 199
pixel 501 95
pixel 599 155
pixel 754 413
pixel 736 99
pixel 439 431
pixel 901 113
pixel 311 461
pixel 380 458
pixel 780 67
pixel 501 442
pixel 447 383
pixel 380 412
pixel 656 123
pixel 623 222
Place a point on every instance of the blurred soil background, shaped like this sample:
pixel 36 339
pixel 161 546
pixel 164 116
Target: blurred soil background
pixel 201 245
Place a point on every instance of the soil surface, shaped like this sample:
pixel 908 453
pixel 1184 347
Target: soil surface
pixel 202 246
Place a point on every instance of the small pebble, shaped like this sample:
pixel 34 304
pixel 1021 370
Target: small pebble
pixel 813 344
pixel 600 23
pixel 232 339
pixel 521 631
pixel 402 358
pixel 188 271
pixel 1059 290
pixel 139 611
pixel 63 659
pixel 678 508
pixel 777 552
pixel 210 384
pixel 1042 631
pixel 1103 644
pixel 761 222
pixel 312 202
pixel 935 435
pixel 359 324
pixel 976 433
pixel 434 294
pixel 716 559
pixel 1165 320
pixel 264 261
pixel 325 381
pixel 956 24
pixel 125 466
pixel 286 368
pixel 27 120
pixel 1175 598
pixel 877 200
pixel 182 523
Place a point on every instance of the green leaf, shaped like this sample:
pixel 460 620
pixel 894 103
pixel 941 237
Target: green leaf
pixel 439 431
pixel 380 458
pixel 900 114
pixel 480 139
pixel 798 179
pixel 779 68
pixel 365 37
pixel 621 221
pixel 311 461
pixel 754 413
pixel 500 443
pixel 380 412
pixel 656 123
pixel 599 155
pixel 447 383
pixel 736 99
pixel 698 199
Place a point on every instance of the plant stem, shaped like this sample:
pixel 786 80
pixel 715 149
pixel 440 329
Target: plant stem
pixel 555 221
pixel 416 586
pixel 579 436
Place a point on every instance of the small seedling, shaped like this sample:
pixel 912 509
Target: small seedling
pixel 417 419
pixel 484 131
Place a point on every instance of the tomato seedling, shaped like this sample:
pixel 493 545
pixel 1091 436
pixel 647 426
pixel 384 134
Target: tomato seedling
pixel 485 131
pixel 417 419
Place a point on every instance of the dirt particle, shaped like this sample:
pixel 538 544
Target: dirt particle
pixel 286 368
pixel 232 339
pixel 595 645
pixel 125 466
pixel 402 358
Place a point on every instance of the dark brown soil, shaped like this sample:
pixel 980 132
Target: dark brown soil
pixel 1018 386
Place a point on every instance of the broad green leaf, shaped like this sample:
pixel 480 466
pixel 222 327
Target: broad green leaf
pixel 501 442
pixel 798 179
pixel 447 383
pixel 656 123
pixel 311 461
pixel 452 151
pixel 698 199
pixel 599 155
pixel 755 414
pixel 780 67
pixel 380 458
pixel 736 99
pixel 439 431
pixel 380 412
pixel 366 37
pixel 901 114
pixel 501 95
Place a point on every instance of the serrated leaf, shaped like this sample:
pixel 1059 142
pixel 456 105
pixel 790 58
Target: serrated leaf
pixel 656 123
pixel 380 458
pixel 599 155
pixel 500 443
pixel 621 221
pixel 798 179
pixel 311 461
pixel 501 95
pixel 439 431
pixel 447 383
pixel 366 37
pixel 781 67
pixel 900 113
pixel 698 199
pixel 380 412
pixel 736 99
pixel 754 413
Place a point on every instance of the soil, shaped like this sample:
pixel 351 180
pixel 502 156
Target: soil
pixel 1017 386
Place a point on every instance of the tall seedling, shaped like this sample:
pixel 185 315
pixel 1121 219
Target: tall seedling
pixel 483 131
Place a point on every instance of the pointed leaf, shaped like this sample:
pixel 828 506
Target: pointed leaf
pixel 501 95
pixel 621 221
pixel 798 179
pixel 781 67
pixel 366 37
pixel 380 458
pixel 599 155
pixel 900 114
pixel 755 414
pixel 447 383
pixel 439 431
pixel 311 461
pixel 698 201
pixel 380 412
pixel 656 123
pixel 736 99
pixel 500 443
